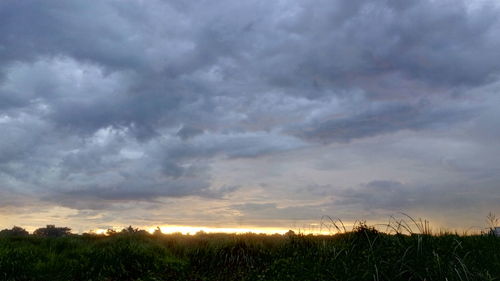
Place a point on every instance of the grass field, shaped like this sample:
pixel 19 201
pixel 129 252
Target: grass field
pixel 361 254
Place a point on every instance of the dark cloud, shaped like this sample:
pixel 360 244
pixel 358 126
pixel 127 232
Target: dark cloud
pixel 437 43
pixel 391 195
pixel 187 132
pixel 88 32
pixel 383 119
pixel 395 196
pixel 103 102
pixel 423 46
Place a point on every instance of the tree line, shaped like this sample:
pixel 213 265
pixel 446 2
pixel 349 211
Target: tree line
pixel 52 231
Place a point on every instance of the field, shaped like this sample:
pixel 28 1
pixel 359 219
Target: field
pixel 361 254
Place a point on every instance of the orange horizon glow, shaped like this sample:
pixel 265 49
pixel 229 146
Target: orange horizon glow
pixel 306 229
pixel 184 229
pixel 191 230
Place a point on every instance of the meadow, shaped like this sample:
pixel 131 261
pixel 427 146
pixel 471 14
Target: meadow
pixel 362 253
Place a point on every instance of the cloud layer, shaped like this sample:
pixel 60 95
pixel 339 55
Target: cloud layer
pixel 110 104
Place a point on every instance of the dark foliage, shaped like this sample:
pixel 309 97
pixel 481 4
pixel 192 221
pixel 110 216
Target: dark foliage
pixel 52 231
pixel 15 231
pixel 363 254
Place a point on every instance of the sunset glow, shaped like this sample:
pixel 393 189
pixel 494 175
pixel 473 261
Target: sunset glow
pixel 169 229
pixel 191 230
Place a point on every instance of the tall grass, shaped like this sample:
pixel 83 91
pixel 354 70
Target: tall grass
pixel 407 251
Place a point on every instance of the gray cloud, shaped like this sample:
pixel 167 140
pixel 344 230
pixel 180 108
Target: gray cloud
pixel 383 119
pixel 391 195
pixel 167 87
pixel 187 132
pixel 104 102
pixel 261 211
pixel 395 196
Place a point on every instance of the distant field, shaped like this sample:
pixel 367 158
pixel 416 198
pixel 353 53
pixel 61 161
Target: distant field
pixel 363 254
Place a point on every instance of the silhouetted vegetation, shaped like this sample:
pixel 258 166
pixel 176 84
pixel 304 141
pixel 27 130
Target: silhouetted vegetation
pixel 364 253
pixel 52 231
pixel 15 231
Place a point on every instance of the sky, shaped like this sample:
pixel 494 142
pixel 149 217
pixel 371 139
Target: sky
pixel 248 114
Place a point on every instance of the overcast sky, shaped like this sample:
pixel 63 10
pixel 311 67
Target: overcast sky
pixel 248 113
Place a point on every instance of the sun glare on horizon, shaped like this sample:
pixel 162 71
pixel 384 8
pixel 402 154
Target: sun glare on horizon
pixel 191 230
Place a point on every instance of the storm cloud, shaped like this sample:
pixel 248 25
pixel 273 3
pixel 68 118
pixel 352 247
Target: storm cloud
pixel 110 103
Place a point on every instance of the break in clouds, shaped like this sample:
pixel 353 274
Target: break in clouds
pixel 248 112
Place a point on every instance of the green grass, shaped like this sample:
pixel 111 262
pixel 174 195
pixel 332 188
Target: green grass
pixel 362 254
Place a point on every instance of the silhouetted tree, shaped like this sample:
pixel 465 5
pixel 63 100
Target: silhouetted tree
pixel 52 231
pixel 131 230
pixel 15 231
pixel 91 234
pixel 200 233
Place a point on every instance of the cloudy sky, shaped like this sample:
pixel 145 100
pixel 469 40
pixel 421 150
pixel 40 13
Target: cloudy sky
pixel 248 113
